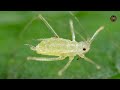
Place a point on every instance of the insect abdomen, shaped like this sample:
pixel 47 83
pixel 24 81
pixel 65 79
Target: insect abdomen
pixel 57 47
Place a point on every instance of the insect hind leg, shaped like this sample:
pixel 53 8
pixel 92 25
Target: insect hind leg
pixel 48 25
pixel 45 59
pixel 33 19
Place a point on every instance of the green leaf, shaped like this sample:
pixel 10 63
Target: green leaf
pixel 13 53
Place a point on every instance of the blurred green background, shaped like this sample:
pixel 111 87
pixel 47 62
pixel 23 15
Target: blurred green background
pixel 105 49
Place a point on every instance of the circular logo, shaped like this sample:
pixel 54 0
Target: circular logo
pixel 113 18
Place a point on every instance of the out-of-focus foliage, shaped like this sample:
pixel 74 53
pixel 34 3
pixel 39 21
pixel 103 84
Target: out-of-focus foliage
pixel 105 49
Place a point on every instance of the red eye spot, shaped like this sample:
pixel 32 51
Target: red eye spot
pixel 84 49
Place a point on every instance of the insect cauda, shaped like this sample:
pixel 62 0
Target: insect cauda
pixel 62 48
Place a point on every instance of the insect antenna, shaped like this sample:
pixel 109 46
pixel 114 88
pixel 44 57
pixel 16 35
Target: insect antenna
pixel 95 34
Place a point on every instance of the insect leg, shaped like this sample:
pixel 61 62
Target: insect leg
pixel 26 26
pixel 89 60
pixel 45 59
pixel 76 19
pixel 48 25
pixel 79 24
pixel 66 66
pixel 72 30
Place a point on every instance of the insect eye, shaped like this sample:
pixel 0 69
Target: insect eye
pixel 84 49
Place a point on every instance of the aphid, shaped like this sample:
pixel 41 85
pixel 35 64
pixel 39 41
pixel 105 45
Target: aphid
pixel 62 48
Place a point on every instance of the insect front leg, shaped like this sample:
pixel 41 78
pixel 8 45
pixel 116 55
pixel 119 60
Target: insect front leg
pixel 45 59
pixel 66 66
pixel 89 60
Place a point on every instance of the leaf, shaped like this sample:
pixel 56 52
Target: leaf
pixel 13 53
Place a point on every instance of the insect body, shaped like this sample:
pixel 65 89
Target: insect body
pixel 63 48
